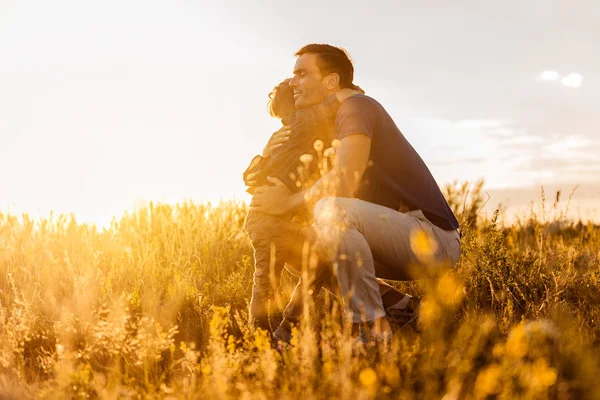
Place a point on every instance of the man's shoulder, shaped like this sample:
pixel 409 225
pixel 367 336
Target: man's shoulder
pixel 361 104
pixel 361 99
pixel 358 114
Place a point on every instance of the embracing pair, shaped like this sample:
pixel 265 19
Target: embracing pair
pixel 340 186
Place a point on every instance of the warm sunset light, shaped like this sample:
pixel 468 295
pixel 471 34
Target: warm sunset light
pixel 169 103
pixel 299 200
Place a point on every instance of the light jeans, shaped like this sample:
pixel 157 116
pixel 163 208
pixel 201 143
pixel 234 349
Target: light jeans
pixel 363 241
pixel 273 240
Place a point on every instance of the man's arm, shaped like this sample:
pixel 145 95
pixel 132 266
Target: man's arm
pixel 351 161
pixel 356 123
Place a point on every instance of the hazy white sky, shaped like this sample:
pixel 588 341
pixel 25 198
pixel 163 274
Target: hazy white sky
pixel 106 103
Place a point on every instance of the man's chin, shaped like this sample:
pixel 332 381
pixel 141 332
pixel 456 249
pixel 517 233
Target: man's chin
pixel 299 103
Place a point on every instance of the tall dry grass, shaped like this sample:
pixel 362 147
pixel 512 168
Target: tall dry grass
pixel 155 307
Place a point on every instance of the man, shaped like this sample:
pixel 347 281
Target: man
pixel 377 175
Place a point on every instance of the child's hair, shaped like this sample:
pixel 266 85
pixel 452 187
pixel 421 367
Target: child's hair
pixel 281 100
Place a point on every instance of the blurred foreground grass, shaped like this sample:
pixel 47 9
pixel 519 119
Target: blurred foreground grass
pixel 155 307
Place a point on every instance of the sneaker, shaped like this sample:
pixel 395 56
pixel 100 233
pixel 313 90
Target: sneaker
pixel 405 312
pixel 373 334
pixel 283 333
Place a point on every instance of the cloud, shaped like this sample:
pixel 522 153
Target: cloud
pixel 522 141
pixel 572 80
pixel 549 76
pixel 505 132
pixel 569 158
pixel 560 164
pixel 468 160
pixel 481 124
pixel 506 153
pixel 573 147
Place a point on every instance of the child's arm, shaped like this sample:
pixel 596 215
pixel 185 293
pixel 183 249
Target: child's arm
pixel 259 162
pixel 256 165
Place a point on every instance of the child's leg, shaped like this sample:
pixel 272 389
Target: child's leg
pixel 271 238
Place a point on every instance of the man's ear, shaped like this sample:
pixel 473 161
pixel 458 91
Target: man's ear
pixel 332 81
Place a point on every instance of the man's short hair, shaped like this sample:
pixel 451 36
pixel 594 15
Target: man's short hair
pixel 331 59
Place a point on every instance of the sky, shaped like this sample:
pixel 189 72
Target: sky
pixel 106 105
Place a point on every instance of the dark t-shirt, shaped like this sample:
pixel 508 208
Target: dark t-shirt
pixel 396 176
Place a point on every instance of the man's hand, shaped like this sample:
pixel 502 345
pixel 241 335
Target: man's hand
pixel 272 200
pixel 276 140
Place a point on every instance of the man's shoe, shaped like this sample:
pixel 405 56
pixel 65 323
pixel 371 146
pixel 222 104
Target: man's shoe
pixel 405 312
pixel 283 333
pixel 373 334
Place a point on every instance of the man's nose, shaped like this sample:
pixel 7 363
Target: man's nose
pixel 293 82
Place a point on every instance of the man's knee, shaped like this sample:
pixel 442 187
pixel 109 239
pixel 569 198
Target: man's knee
pixel 328 210
pixel 335 211
pixel 322 207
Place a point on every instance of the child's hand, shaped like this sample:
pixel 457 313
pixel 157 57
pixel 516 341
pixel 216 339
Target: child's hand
pixel 277 140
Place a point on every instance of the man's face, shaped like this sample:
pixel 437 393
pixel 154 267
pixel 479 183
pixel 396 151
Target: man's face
pixel 308 83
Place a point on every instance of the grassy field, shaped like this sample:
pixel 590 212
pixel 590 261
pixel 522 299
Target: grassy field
pixel 156 307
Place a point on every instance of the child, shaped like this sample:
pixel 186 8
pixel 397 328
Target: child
pixel 273 236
